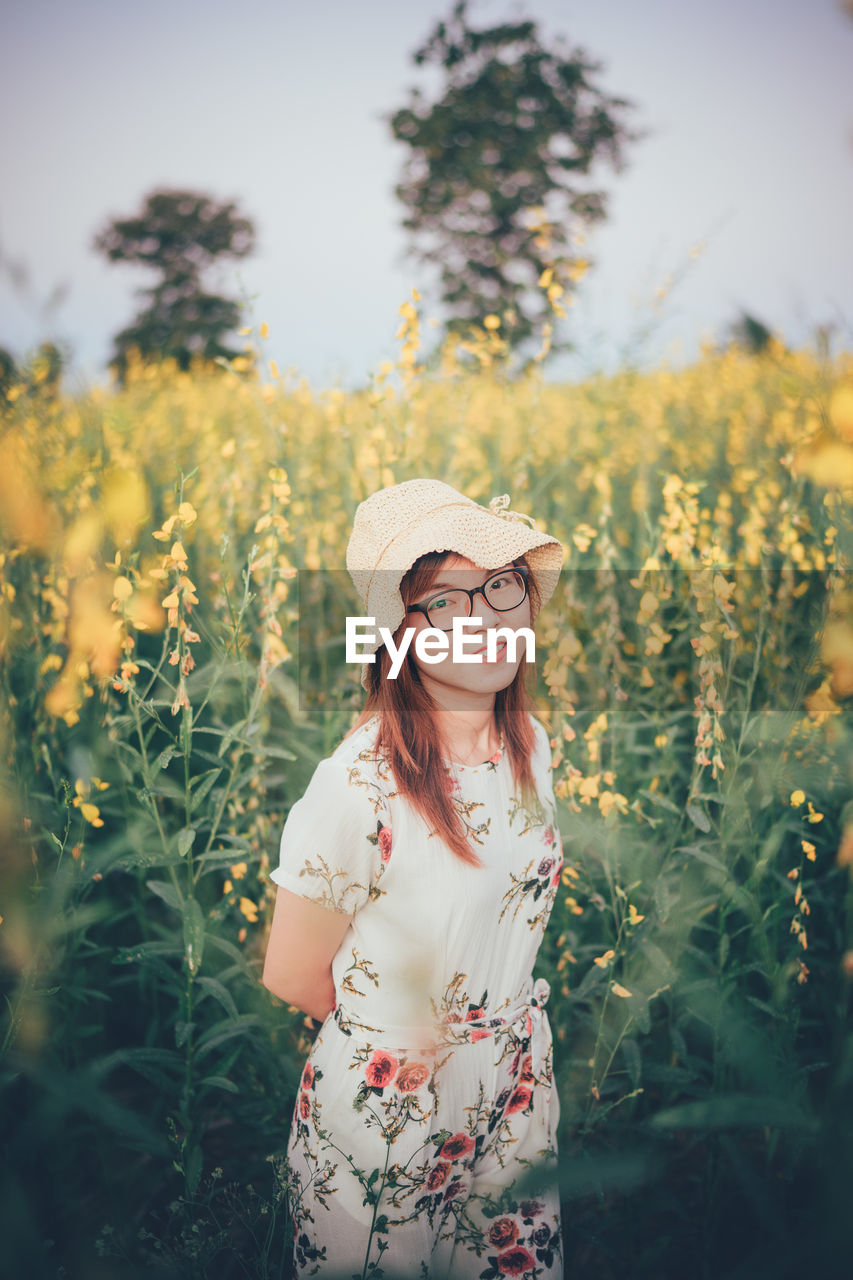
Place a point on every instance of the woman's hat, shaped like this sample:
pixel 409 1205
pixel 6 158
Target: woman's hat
pixel 395 526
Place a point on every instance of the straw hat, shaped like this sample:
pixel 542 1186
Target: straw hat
pixel 395 526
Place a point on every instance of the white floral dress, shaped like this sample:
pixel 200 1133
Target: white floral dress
pixel 428 1091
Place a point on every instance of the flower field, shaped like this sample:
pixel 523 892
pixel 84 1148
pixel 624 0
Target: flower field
pixel 172 596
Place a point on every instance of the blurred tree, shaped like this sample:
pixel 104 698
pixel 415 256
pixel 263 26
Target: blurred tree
pixel 45 367
pixel 750 333
pixel 491 181
pixel 8 371
pixel 179 234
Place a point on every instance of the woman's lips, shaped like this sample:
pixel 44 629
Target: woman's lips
pixel 501 650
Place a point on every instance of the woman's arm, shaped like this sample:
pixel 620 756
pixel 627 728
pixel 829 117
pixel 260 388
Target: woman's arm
pixel 303 940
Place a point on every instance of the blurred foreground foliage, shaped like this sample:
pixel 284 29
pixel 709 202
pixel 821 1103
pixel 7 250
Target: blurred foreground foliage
pixel 164 702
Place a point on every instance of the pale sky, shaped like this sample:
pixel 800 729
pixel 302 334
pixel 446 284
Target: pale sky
pixel 280 105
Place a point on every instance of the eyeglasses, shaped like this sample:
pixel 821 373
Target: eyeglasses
pixel 503 591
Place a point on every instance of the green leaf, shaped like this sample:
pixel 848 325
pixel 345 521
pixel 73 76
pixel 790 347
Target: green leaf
pixel 221 1082
pixel 185 840
pixel 146 858
pixel 193 934
pixel 201 785
pixel 662 801
pixel 226 1030
pixel 170 895
pixel 702 855
pixel 698 818
pixel 221 993
pixel 183 1031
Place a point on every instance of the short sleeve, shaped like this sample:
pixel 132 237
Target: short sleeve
pixel 329 849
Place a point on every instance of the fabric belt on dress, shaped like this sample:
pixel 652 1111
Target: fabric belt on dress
pixel 452 1030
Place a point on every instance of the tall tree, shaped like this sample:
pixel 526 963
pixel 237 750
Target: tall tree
pixel 494 182
pixel 179 234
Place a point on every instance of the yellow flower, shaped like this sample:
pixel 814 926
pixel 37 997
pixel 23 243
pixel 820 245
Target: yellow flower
pixel 813 815
pixel 91 813
pixel 122 588
pixel 491 322
pixel 620 991
pixel 264 330
pixel 589 788
pixel 809 850
pixel 603 961
pixel 227 887
pixel 239 870
pixel 583 536
pixel 797 798
pixel 249 909
pixel 634 916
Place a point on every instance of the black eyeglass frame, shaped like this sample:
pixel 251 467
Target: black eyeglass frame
pixel 470 593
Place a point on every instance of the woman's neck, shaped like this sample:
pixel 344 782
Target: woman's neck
pixel 471 738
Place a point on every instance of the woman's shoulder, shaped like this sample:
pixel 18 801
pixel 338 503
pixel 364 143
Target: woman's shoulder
pixel 349 779
pixel 358 746
pixel 354 760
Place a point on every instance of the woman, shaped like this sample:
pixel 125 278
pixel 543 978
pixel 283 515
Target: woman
pixel 417 874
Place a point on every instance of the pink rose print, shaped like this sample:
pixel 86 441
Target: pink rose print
pixel 453 1190
pixel 385 843
pixel 545 867
pixel 519 1098
pixel 381 1069
pixel 411 1077
pixel 548 836
pixel 516 1262
pixel 304 1106
pixel 530 1208
pixel 456 1146
pixel 527 1070
pixel 503 1233
pixel 307 1076
pixel 437 1176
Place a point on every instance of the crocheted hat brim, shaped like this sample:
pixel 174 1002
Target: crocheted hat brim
pixel 463 527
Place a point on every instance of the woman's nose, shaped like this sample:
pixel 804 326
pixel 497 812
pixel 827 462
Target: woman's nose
pixel 477 610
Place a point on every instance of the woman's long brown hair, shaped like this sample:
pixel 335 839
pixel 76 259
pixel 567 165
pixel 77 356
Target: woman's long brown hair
pixel 408 735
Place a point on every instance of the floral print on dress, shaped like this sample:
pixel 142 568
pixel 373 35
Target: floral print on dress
pixel 394 1121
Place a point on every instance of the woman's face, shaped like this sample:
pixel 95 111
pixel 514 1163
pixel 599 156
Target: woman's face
pixel 463 678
